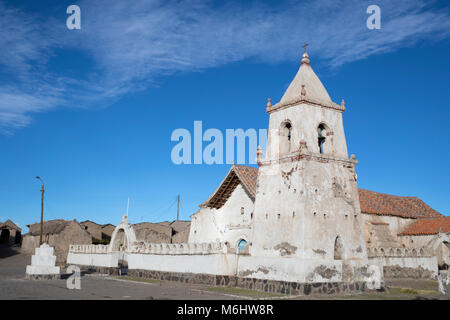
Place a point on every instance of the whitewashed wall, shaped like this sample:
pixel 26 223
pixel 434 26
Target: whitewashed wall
pixel 94 259
pixel 226 224
pixel 290 269
pixel 217 264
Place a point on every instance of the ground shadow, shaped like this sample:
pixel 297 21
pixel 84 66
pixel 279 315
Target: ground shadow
pixel 8 250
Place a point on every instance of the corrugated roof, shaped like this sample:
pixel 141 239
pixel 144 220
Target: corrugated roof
pixel 428 226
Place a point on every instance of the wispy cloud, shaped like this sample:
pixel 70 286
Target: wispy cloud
pixel 132 45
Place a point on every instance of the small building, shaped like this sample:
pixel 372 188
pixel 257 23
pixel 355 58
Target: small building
pixel 180 231
pixel 153 232
pixel 107 231
pixel 58 234
pixel 433 233
pixel 10 233
pixel 101 233
pixel 94 229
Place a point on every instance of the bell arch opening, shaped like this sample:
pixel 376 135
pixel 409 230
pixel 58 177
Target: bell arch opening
pixel 323 141
pixel 285 137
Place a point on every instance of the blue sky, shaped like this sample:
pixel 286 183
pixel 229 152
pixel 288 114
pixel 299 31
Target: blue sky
pixel 91 111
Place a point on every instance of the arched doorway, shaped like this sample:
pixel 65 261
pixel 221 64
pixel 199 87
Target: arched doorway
pixel 120 241
pixel 338 248
pixel 120 245
pixel 242 243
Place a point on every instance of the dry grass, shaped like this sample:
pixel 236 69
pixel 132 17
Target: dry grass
pixel 244 292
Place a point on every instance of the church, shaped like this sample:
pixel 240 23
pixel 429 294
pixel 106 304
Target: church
pixel 295 223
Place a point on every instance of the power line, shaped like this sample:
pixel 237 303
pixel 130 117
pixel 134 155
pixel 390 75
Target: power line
pixel 158 213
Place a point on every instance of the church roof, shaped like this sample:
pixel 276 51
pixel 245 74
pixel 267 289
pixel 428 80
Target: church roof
pixel 371 202
pixel 313 87
pixel 247 176
pixel 428 226
pixel 386 204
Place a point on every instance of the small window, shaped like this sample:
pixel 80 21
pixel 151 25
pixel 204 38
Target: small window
pixel 241 245
pixel 278 216
pixel 242 210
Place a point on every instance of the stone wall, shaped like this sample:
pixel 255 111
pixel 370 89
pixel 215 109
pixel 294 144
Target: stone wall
pixel 405 262
pixel 444 284
pixel 215 258
pixel 392 272
pixel 282 287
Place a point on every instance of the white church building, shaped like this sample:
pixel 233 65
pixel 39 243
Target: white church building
pixel 298 223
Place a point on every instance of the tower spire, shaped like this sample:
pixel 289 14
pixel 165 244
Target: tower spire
pixel 305 57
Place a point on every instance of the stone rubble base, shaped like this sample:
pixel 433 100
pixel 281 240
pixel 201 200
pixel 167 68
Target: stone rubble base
pixel 271 286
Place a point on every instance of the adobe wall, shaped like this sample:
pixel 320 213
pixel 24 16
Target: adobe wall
pixel 405 263
pixel 213 259
pixel 306 205
pixel 226 224
pixel 395 224
pixel 281 287
pixel 72 234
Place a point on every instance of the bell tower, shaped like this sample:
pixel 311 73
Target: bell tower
pixel 307 202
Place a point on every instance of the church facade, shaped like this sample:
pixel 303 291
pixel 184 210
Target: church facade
pixel 299 216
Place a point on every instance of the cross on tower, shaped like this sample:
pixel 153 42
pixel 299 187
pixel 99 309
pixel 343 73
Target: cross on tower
pixel 304 46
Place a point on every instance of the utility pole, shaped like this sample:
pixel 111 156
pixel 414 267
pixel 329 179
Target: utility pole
pixel 42 209
pixel 178 207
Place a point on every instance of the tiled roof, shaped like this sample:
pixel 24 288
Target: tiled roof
pixel 247 176
pixel 428 226
pixel 385 204
pixel 371 202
